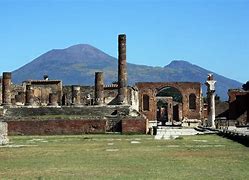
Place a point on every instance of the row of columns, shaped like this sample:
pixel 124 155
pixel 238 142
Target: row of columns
pixel 99 84
pixel 53 97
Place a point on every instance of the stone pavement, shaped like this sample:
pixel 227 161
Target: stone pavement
pixel 174 132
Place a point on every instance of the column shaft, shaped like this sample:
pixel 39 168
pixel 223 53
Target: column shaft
pixel 76 95
pixel 122 70
pixel 99 88
pixel 29 95
pixel 6 89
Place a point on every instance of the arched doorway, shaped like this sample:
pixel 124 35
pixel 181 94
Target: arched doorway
pixel 169 106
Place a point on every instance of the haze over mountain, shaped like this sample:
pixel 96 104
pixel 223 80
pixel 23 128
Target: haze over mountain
pixel 77 65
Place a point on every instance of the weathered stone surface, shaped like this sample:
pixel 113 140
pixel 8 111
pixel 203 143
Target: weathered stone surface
pixel 185 88
pixel 84 111
pixel 210 83
pixel 29 95
pixel 122 70
pixel 6 89
pixel 53 99
pixel 172 133
pixel 3 133
pixel 134 125
pixel 99 88
pixel 42 89
pixel 76 95
pixel 239 106
pixel 56 127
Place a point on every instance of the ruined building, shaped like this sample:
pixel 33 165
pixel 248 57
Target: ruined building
pixel 49 107
pixel 239 106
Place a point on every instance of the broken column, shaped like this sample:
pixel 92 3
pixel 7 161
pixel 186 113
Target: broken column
pixel 53 99
pixel 99 88
pixel 6 89
pixel 122 70
pixel 3 133
pixel 210 83
pixel 20 98
pixel 76 95
pixel 29 95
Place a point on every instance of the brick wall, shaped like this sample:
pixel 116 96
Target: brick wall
pixel 185 88
pixel 131 125
pixel 55 127
pixel 238 106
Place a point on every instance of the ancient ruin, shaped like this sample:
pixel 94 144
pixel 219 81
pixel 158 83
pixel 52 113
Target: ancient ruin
pixel 171 103
pixel 3 133
pixel 49 107
pixel 210 83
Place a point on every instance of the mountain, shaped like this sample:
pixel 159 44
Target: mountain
pixel 78 64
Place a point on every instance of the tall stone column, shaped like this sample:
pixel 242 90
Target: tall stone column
pixel 6 89
pixel 29 95
pixel 76 95
pixel 53 99
pixel 122 70
pixel 210 83
pixel 99 88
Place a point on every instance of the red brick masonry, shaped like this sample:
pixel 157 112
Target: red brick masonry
pixel 56 127
pixel 134 126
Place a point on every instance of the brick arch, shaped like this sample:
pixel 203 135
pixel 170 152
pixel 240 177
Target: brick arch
pixel 185 88
pixel 161 87
pixel 158 90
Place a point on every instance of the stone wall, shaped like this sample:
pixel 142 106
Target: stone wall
pixel 56 127
pixel 72 120
pixel 3 133
pixel 49 112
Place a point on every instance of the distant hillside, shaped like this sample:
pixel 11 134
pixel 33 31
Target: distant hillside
pixel 77 65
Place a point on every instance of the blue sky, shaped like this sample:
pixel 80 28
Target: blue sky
pixel 213 34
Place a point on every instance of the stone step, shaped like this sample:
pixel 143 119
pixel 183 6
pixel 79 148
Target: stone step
pixel 172 133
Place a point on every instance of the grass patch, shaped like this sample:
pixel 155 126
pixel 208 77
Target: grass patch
pixel 118 157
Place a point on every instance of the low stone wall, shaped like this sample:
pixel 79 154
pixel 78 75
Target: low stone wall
pixel 72 120
pixel 86 111
pixel 3 133
pixel 56 127
pixel 133 125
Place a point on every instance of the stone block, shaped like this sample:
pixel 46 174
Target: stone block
pixel 3 133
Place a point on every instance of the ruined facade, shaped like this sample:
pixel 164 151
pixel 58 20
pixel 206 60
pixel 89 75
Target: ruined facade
pixel 170 101
pixel 47 107
pixel 239 106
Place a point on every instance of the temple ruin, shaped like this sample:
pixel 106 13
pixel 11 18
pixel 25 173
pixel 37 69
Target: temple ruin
pixel 49 107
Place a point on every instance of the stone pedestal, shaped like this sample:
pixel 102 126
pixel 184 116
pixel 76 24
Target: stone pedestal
pixel 99 88
pixel 6 89
pixel 53 99
pixel 3 133
pixel 122 70
pixel 29 95
pixel 210 83
pixel 76 96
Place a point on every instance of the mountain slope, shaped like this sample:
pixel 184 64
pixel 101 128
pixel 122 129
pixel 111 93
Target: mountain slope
pixel 77 65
